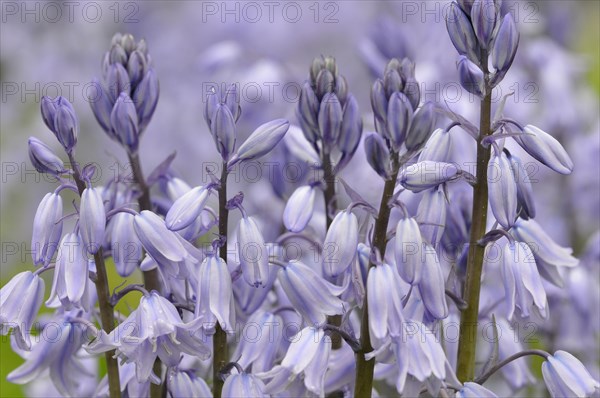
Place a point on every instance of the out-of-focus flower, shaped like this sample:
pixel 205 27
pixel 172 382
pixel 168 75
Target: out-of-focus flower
pixel 474 390
pixel 43 158
pixel 565 376
pixel 299 209
pixel 244 385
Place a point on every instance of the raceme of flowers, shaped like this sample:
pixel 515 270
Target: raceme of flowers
pixel 226 312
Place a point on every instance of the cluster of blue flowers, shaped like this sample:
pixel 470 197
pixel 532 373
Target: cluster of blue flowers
pixel 361 307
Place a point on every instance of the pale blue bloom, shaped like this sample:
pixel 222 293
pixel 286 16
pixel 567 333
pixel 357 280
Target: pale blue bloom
pixel 502 190
pixel 339 247
pixel 244 385
pixel 254 258
pixel 92 220
pixel 474 390
pixel 565 376
pixel 214 297
pixel 47 229
pixel 299 209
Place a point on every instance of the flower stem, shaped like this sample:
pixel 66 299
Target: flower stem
pixel 151 281
pixel 364 368
pixel 467 344
pixel 220 349
pixel 106 309
pixel 483 378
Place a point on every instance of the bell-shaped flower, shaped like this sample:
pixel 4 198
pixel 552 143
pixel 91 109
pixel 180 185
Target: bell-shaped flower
pixel 385 304
pixel 408 248
pixel 484 16
pixel 378 154
pixel 124 123
pixel 261 141
pixel 214 297
pixel 47 229
pixel 474 390
pixel 154 329
pixel 549 256
pixel 299 209
pixel 426 175
pixel 311 295
pixel 525 202
pixel 183 384
pixel 244 385
pixel 43 158
pixel 125 246
pixel 330 119
pixel 421 127
pixel 187 208
pixel 254 258
pixel 130 387
pixel 438 147
pixel 20 301
pixel 223 131
pixel 92 219
pixel 471 77
pixel 461 32
pixel 505 45
pixel 502 189
pixel 432 285
pixel 341 241
pixel 399 117
pixel 308 354
pixel 59 353
pixel 431 215
pixel 545 148
pixel 522 282
pixel 566 376
pixel 145 98
pixel 249 299
pixel 263 334
pixel 70 286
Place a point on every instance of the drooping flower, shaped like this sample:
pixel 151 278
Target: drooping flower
pixel 20 301
pixel 183 384
pixel 43 158
pixel 474 390
pixel 565 376
pixel 432 285
pixel 47 229
pixel 545 148
pixel 260 351
pixel 59 116
pixel 385 304
pixel 427 174
pixel 341 241
pixel 92 219
pixel 502 189
pixel 254 258
pixel 408 250
pixel 244 385
pixel 299 209
pixel 125 247
pixel 187 208
pixel 214 297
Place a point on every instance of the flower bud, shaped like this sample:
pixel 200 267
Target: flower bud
pixel 160 243
pixel 223 131
pixel 43 158
pixel 145 98
pixel 378 155
pixel 545 148
pixel 379 101
pixel 502 190
pixel 299 209
pixel 124 122
pixel 187 208
pixel 408 250
pixel 471 77
pixel 438 147
pixel 117 81
pixel 425 175
pixel 125 247
pixel 461 33
pixel 330 119
pixel 325 84
pixel 65 124
pixel 47 229
pixel 262 140
pixel 136 68
pixel 102 107
pixel 92 219
pixel 505 45
pixel 350 132
pixel 307 111
pixel 432 285
pixel 341 241
pixel 232 100
pixel 210 106
pixel 243 385
pixel 474 390
pixel 484 15
pixel 254 258
pixel 392 82
pixel 399 117
pixel 431 215
pixel 421 127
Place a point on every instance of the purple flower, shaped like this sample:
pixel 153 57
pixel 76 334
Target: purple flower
pixel 254 258
pixel 299 209
pixel 187 208
pixel 350 132
pixel 43 158
pixel 378 154
pixel 260 352
pixel 565 376
pixel 339 247
pixel 307 113
pixel 474 390
pixel 484 15
pixel 153 329
pixel 130 387
pixel 431 215
pixel 545 148
pixel 47 229
pixel 461 32
pixel 124 123
pixel 522 282
pixel 312 296
pixel 145 97
pixel 261 141
pixel 160 243
pixel 471 77
pixel 223 130
pixel 525 202
pixel 125 246
pixel 432 285
pixel 244 385
pixel 438 147
pixel 92 219
pixel 214 297
pixel 385 304
pixel 59 116
pixel 330 119
pixel 399 118
pixel 421 127
pixel 502 189
pixel 70 286
pixel 184 384
pixel 408 250
pixel 505 45
pixel 20 301
pixel 427 174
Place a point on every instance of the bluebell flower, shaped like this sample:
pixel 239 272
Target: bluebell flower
pixel 145 97
pixel 70 285
pixel 377 154
pixel 261 141
pixel 130 387
pixel 484 16
pixel 154 329
pixel 522 282
pixel 350 132
pixel 431 215
pixel 59 116
pixel 184 384
pixel 214 297
pixel 385 304
pixel 502 190
pixel 299 209
pixel 92 219
pixel 307 113
pixel 565 376
pixel 260 352
pixel 47 229
pixel 427 174
pixel 339 247
pixel 408 249
pixel 312 296
pixel 20 301
pixel 438 148
pixel 187 208
pixel 399 118
pixel 474 390
pixel 432 285
pixel 525 202
pixel 471 77
pixel 330 120
pixel 545 148
pixel 505 45
pixel 254 258
pixel 461 32
pixel 421 127
pixel 124 123
pixel 244 385
pixel 125 247
pixel 43 158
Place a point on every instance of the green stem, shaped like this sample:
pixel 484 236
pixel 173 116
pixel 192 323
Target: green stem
pixel 364 368
pixel 103 292
pixel 151 280
pixel 467 344
pixel 483 378
pixel 220 349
